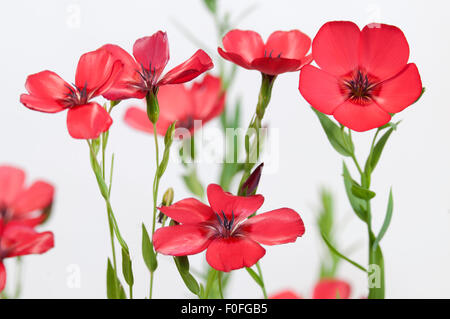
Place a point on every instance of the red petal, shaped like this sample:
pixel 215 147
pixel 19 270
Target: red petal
pixel 276 227
pixel 320 89
pixel 152 52
pixel 400 91
pixel 175 103
pixel 188 211
pixel 226 254
pixel 2 276
pixel 181 240
pixel 361 118
pixel 275 66
pixel 88 121
pixel 383 50
pixel 335 47
pixel 246 45
pixel 289 44
pixel 138 119
pixel 235 58
pixel 124 87
pixel 197 64
pixel 11 184
pixel 46 92
pixel 37 197
pixel 240 206
pixel 331 289
pixel 209 100
pixel 286 294
pixel 22 240
pixel 97 71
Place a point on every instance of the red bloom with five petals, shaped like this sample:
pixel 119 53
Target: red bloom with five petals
pixel 203 101
pixel 19 203
pixel 231 238
pixel 142 73
pixel 49 93
pixel 284 51
pixel 364 76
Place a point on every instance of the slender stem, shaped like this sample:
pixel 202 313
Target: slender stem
pixel 219 281
pixel 211 278
pixel 263 287
pixel 18 289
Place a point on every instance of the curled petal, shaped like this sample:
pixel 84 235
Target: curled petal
pixel 37 197
pixel 152 53
pixel 197 64
pixel 181 240
pixel 361 118
pixel 335 47
pixel 20 239
pixel 188 211
pixel 276 227
pixel 88 121
pixel 320 89
pixel 226 254
pixel 248 45
pixel 400 91
pixel 383 50
pixel 331 289
pixel 292 44
pixel 11 184
pixel 2 276
pixel 239 206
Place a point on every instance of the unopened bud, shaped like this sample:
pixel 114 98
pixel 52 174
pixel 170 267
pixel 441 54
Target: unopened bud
pixel 251 184
pixel 152 107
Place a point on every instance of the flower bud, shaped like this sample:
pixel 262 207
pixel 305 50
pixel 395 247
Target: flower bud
pixel 249 187
pixel 152 107
pixel 167 197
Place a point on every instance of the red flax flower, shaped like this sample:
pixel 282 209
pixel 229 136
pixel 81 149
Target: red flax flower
pixel 231 238
pixel 47 92
pixel 17 239
pixel 364 76
pixel 203 101
pixel 22 204
pixel 324 289
pixel 142 74
pixel 284 51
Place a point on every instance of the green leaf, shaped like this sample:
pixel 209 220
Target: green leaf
pixel 359 206
pixel 148 252
pixel 127 268
pixel 211 5
pixel 193 184
pixel 340 140
pixel 255 276
pixel 182 263
pixel 111 283
pixel 373 159
pixel 98 174
pixel 362 192
pixel 189 280
pixel 334 250
pixel 386 222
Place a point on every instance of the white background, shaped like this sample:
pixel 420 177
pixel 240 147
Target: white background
pixel 38 35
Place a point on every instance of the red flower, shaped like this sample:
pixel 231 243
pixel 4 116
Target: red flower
pixel 203 101
pixel 285 294
pixel 284 51
pixel 20 203
pixel 17 239
pixel 324 289
pixel 231 238
pixel 142 73
pixel 364 75
pixel 96 72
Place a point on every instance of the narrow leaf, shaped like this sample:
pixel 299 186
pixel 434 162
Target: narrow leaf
pixel 255 276
pixel 386 222
pixel 189 280
pixel 111 283
pixel 334 250
pixel 362 192
pixel 377 150
pixel 359 206
pixel 127 268
pixel 148 252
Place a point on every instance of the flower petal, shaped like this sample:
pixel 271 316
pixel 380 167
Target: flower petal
pixel 383 50
pixel 176 103
pixel 335 47
pixel 88 121
pixel 208 98
pixel 97 71
pixel 37 197
pixel 197 64
pixel 152 53
pixel 361 118
pixel 275 66
pixel 279 226
pixel 124 87
pixel 286 294
pixel 2 276
pixel 181 240
pixel 239 206
pixel 248 45
pixel 188 211
pixel 401 91
pixel 11 184
pixel 19 240
pixel 235 58
pixel 292 44
pixel 226 254
pixel 320 89
pixel 331 289
pixel 138 119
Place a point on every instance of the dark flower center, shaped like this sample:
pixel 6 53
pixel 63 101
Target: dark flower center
pixel 148 78
pixel 226 226
pixel 360 87
pixel 77 96
pixel 270 54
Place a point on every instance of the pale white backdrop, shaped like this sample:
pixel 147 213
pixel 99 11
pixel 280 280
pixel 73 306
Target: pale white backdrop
pixel 37 35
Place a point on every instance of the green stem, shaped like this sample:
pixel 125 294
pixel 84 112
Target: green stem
pixel 263 287
pixel 219 281
pixel 209 282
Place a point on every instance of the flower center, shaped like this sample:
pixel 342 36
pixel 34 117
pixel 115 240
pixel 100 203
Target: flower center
pixel 77 96
pixel 226 227
pixel 360 87
pixel 186 123
pixel 270 54
pixel 148 78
